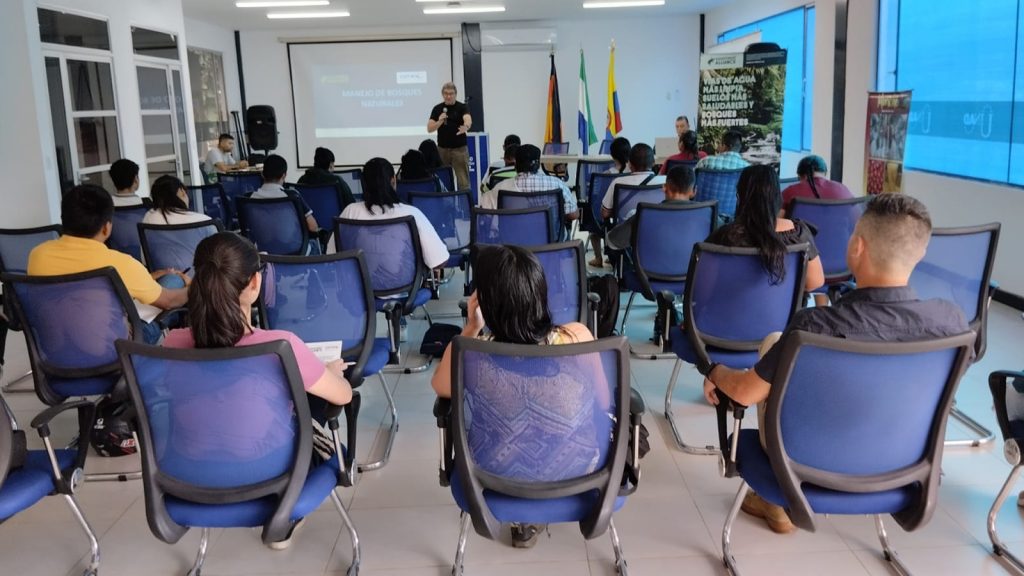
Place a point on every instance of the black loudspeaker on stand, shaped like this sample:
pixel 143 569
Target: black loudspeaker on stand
pixel 261 126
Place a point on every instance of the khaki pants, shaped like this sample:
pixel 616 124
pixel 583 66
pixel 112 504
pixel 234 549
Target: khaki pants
pixel 766 345
pixel 457 158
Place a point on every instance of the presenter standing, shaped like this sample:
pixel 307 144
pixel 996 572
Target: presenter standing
pixel 452 121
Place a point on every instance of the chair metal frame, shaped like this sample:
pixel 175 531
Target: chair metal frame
pixel 148 252
pixel 354 374
pixel 700 341
pixel 792 475
pixel 1012 453
pixel 300 219
pixel 288 487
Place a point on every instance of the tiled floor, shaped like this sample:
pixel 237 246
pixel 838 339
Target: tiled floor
pixel 409 526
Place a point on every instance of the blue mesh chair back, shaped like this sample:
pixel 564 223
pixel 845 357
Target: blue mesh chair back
pixel 718 185
pixel 391 248
pixel 551 200
pixel 857 427
pixel 70 324
pixel 212 199
pixel 527 227
pixel 17 243
pixel 219 427
pixel 405 187
pixel 561 170
pixel 606 147
pixel 451 215
pixel 324 200
pixel 670 164
pixel 663 239
pixel 628 196
pixel 540 431
pixel 599 184
pixel 173 246
pixel 958 267
pixel 584 168
pixel 354 178
pixel 446 175
pixel 565 272
pixel 730 303
pixel 237 186
pixel 124 233
pixel 275 225
pixel 835 220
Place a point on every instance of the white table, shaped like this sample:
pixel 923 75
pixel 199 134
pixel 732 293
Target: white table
pixel 573 158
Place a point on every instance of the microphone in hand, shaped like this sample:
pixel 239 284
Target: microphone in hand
pixel 444 113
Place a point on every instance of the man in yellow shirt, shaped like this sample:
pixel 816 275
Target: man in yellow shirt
pixel 86 214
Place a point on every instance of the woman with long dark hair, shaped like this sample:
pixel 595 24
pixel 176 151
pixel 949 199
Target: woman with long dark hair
pixel 620 154
pixel 414 167
pixel 170 203
pixel 431 154
pixel 758 225
pixel 688 151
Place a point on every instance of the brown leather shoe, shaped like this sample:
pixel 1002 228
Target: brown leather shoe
pixel 775 516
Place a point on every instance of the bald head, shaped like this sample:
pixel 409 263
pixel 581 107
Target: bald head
pixel 890 238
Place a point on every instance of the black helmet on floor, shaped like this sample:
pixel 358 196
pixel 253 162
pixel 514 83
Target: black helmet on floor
pixel 112 432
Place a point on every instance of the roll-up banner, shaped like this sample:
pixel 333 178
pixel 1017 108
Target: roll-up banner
pixel 886 141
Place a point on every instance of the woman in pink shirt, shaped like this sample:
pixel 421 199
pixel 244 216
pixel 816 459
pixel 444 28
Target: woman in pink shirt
pixel 687 150
pixel 813 184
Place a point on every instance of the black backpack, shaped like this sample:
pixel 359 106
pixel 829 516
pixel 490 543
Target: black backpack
pixel 607 288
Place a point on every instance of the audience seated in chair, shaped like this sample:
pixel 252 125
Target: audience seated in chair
pixel 86 214
pixel 529 178
pixel 728 157
pixel 170 203
pixel 641 160
pixel 812 172
pixel 619 150
pixel 125 175
pixel 221 157
pixel 431 154
pixel 502 172
pixel 511 303
pixel 688 151
pixel 414 167
pixel 322 173
pixel 888 242
pixel 758 225
pixel 275 171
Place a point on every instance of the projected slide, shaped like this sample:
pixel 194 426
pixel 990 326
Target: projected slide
pixel 365 99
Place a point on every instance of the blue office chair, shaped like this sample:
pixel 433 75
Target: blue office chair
pixel 670 164
pixel 1008 396
pixel 851 428
pixel 591 220
pixel 237 185
pixel 606 147
pixel 552 200
pixel 354 178
pixel 584 168
pixel 718 185
pixel 393 257
pixel 526 227
pixel 325 200
pixel 560 171
pixel 729 306
pixel 275 225
pixel 958 267
pixel 404 187
pixel 212 199
pixel 48 471
pixel 446 175
pixel 565 270
pixel 227 442
pixel 663 239
pixel 173 246
pixel 451 214
pixel 124 232
pixel 558 457
pixel 834 220
pixel 628 196
pixel 329 299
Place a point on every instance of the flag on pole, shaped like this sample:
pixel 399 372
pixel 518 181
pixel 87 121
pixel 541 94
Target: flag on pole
pixel 553 130
pixel 614 125
pixel 586 123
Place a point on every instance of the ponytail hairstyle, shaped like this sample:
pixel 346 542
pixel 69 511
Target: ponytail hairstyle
pixel 758 203
pixel 620 152
pixel 224 264
pixel 807 167
pixel 377 187
pixel 164 194
pixel 689 141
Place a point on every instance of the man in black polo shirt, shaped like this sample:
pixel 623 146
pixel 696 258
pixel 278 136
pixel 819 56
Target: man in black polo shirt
pixel 452 121
pixel 888 242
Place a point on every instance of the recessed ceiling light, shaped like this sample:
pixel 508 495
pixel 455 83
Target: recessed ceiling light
pixel 463 9
pixel 622 3
pixel 290 15
pixel 280 3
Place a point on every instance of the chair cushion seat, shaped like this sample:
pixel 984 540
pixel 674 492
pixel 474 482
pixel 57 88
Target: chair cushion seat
pixel 84 386
pixel 756 470
pixel 511 509
pixel 319 483
pixel 422 297
pixel 378 356
pixel 32 482
pixel 683 348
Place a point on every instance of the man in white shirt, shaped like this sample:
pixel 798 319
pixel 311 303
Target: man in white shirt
pixel 641 160
pixel 125 175
pixel 221 157
pixel 529 178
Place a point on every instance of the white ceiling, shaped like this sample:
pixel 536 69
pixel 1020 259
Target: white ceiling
pixel 410 13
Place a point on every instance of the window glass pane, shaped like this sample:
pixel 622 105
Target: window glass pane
pixel 888 19
pixel 153 90
pixel 92 86
pixel 209 101
pixel 179 113
pixel 805 143
pixel 1017 145
pixel 100 178
pixel 97 141
pixel 162 168
pixel 153 43
pixel 55 87
pixel 157 133
pixel 958 58
pixel 72 30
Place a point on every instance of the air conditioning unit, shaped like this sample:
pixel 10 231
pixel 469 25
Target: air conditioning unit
pixel 519 38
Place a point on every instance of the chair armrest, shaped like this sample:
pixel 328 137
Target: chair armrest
pixel 637 407
pixel 728 449
pixel 86 415
pixel 446 465
pixel 42 420
pixel 637 436
pixel 346 459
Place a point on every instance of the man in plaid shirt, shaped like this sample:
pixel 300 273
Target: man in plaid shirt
pixel 721 187
pixel 529 178
pixel 728 157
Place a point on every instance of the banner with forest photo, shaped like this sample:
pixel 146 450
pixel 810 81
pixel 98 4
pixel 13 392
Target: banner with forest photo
pixel 743 92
